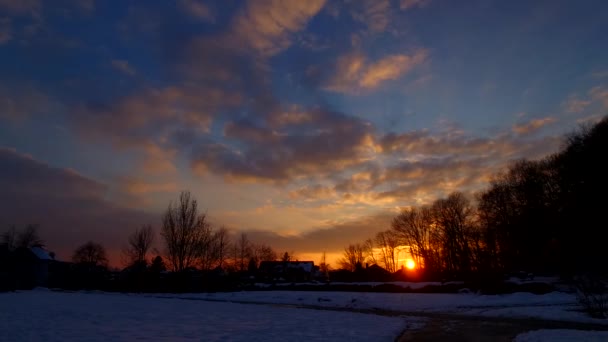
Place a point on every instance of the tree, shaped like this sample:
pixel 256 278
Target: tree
pixel 182 231
pixel 414 227
pixel 221 244
pixel 139 244
pixel 453 218
pixel 262 252
pixel 27 238
pixel 286 257
pixel 324 267
pixel 353 257
pixel 387 243
pixel 242 252
pixel 91 254
pixel 158 265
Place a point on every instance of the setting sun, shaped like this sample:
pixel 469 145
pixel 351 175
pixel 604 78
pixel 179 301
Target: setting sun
pixel 410 264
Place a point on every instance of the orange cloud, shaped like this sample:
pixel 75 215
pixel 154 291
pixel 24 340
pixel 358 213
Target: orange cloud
pixel 138 187
pixel 354 74
pixel 266 26
pixel 532 126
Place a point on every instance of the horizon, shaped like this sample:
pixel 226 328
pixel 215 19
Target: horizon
pixel 306 126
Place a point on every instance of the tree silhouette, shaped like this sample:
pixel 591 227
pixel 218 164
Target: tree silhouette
pixel 353 257
pixel 182 231
pixel 140 242
pixel 91 254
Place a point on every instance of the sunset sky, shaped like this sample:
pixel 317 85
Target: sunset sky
pixel 306 124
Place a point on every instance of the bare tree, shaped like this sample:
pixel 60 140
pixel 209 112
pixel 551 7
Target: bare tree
pixel 221 244
pixel 414 228
pixel 354 257
pixel 324 266
pixel 206 248
pixel 453 217
pixel 387 243
pixel 9 238
pixel 27 238
pixel 242 252
pixel 368 247
pixel 182 231
pixel 262 252
pixel 91 253
pixel 139 244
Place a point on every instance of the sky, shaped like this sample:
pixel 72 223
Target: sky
pixel 306 124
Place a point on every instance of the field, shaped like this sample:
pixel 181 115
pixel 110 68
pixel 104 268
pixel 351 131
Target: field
pixel 44 315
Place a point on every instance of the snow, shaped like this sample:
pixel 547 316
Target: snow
pixel 62 316
pixel 552 306
pixel 562 335
pixel 40 253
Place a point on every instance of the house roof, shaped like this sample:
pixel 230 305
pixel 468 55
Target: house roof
pixel 41 253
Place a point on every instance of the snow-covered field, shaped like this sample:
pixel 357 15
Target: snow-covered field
pixel 551 306
pixel 55 316
pixel 562 335
pixel 43 315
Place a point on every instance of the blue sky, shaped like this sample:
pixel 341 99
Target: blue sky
pixel 307 124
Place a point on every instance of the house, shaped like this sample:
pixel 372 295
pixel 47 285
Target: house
pixel 31 266
pixel 291 271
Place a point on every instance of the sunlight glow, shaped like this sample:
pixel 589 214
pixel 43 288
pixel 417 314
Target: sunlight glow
pixel 410 264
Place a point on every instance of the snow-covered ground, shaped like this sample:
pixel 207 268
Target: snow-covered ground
pixel 43 315
pixel 56 316
pixel 551 306
pixel 562 335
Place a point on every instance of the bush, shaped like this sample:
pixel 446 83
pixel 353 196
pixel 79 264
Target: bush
pixel 592 294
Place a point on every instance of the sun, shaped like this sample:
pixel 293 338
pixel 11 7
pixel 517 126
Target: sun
pixel 410 264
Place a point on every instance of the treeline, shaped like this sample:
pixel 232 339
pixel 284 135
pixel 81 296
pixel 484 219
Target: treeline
pixel 192 249
pixel 538 216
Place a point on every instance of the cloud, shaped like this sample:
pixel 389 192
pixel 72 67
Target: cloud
pixel 390 68
pixel 355 74
pixel 600 74
pixel 151 114
pixel 21 7
pixel 375 14
pixel 123 66
pixel 600 94
pixel 409 4
pixel 312 192
pixel 19 102
pixel 139 187
pixel 70 208
pixel 6 33
pixel 575 105
pixel 331 239
pixel 267 26
pixel 532 126
pixel 197 9
pixel 277 147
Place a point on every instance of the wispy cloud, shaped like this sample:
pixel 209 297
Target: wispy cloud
pixel 355 74
pixel 532 126
pixel 375 14
pixel 123 66
pixel 409 4
pixel 198 9
pixel 6 29
pixel 267 26
pixel 21 6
